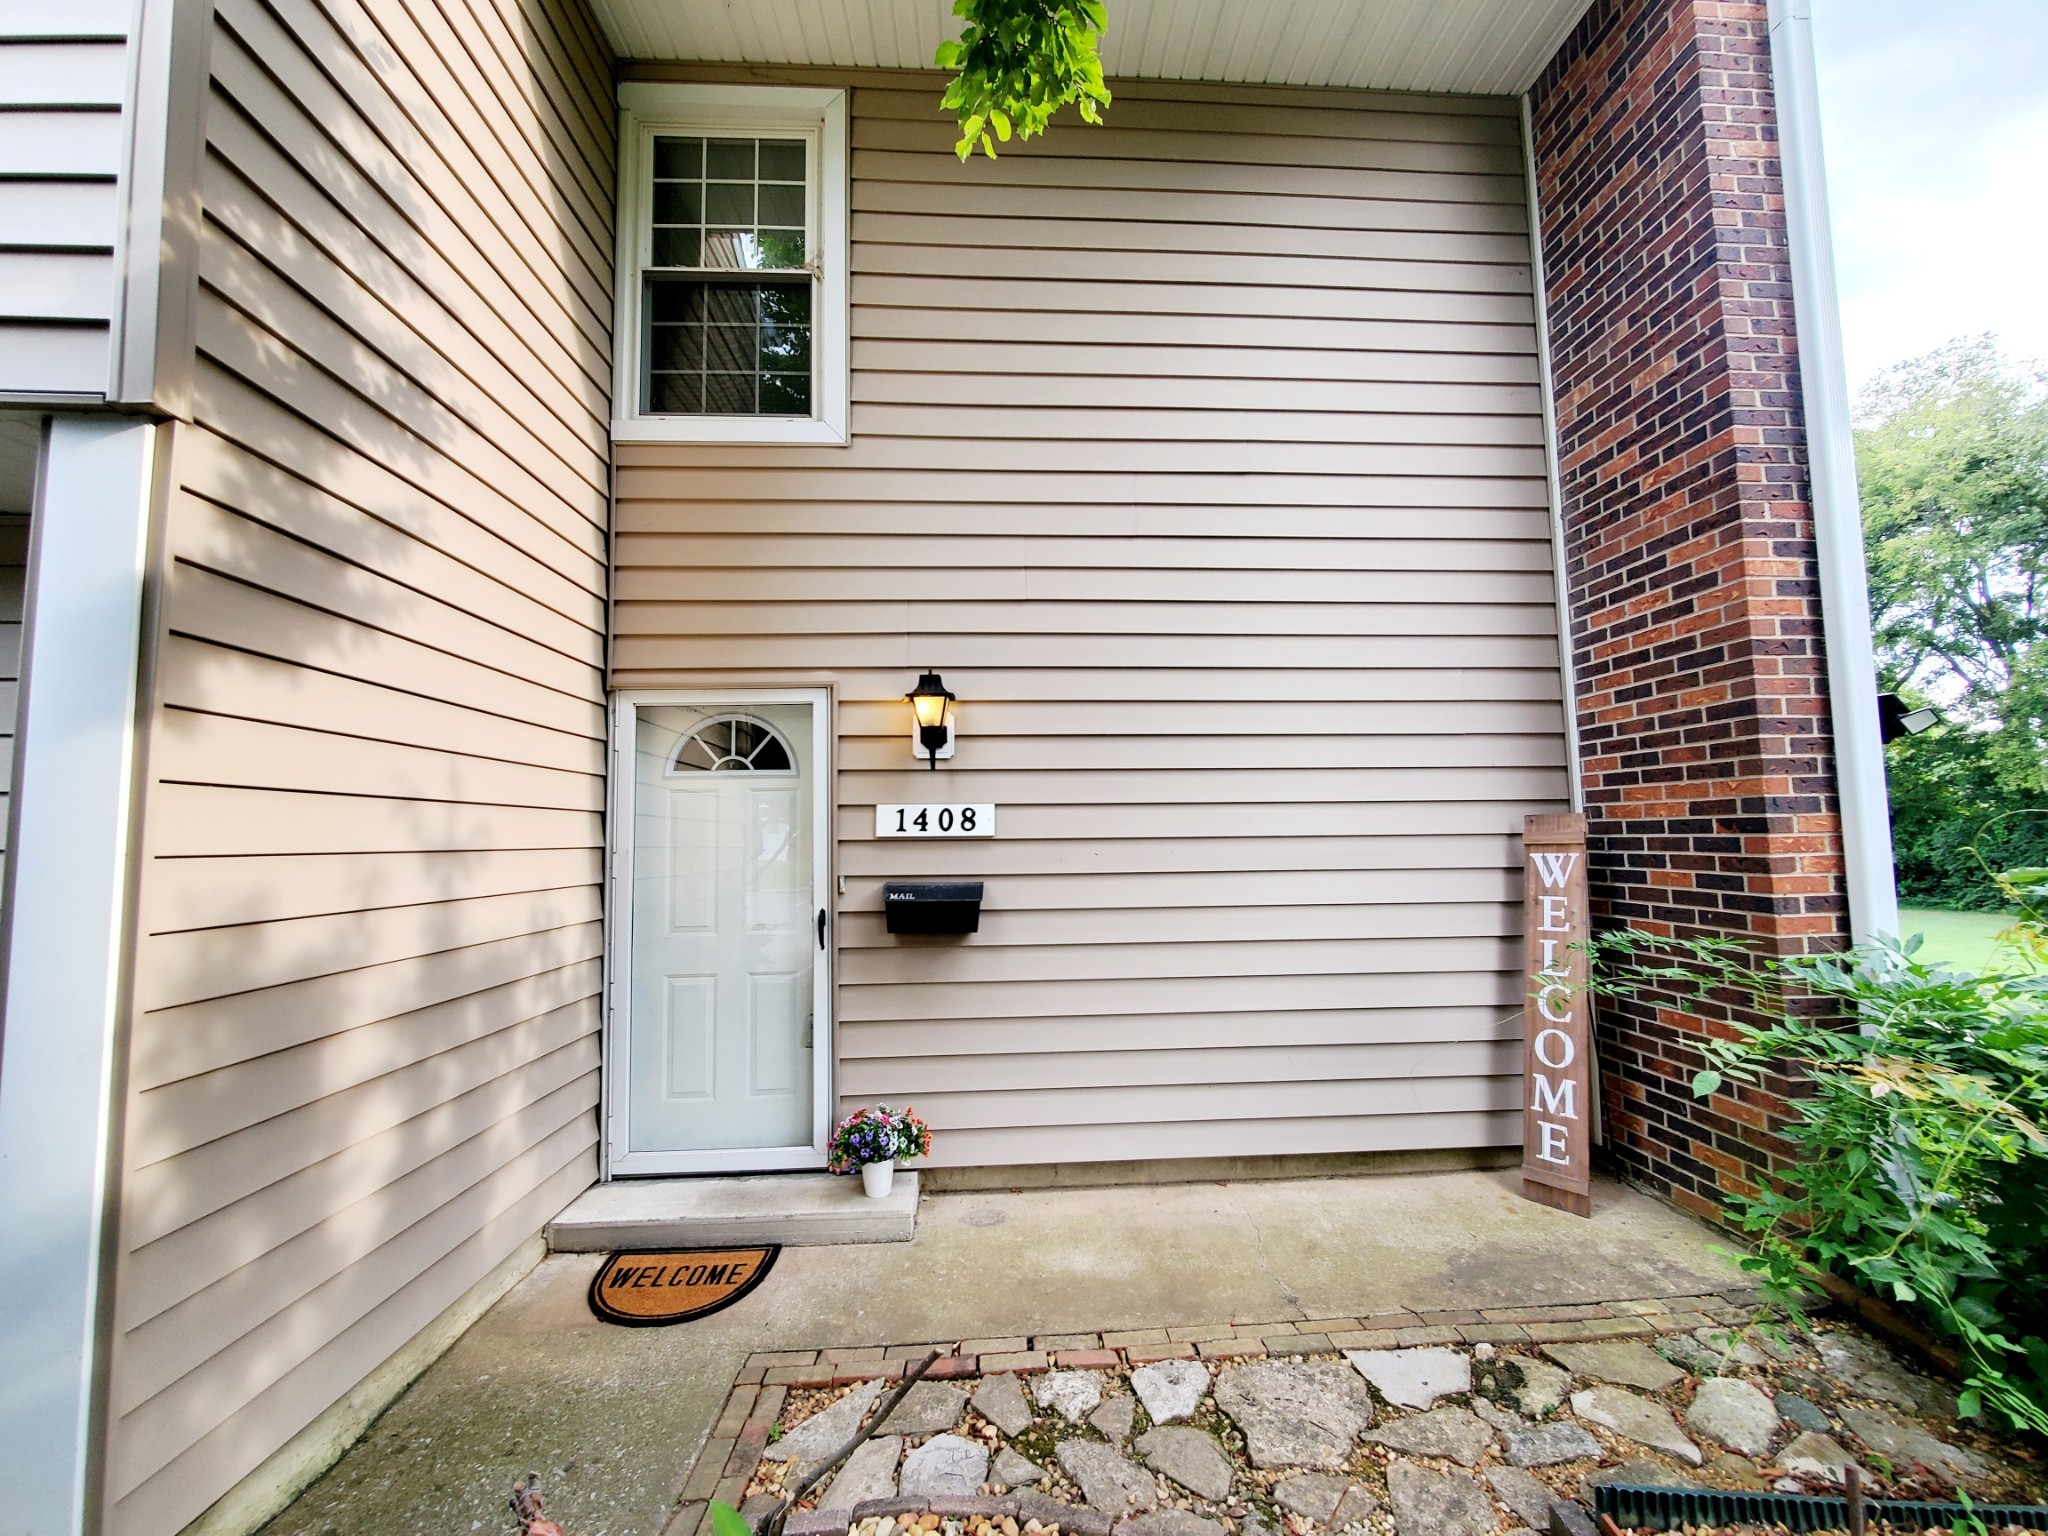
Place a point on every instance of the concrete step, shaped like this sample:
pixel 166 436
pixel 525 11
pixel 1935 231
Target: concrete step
pixel 798 1210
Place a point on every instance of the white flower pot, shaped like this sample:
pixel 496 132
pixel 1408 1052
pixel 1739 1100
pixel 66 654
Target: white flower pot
pixel 876 1178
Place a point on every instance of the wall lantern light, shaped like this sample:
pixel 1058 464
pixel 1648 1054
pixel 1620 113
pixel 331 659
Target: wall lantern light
pixel 1895 720
pixel 933 706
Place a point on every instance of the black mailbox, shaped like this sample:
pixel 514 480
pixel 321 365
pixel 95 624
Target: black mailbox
pixel 930 906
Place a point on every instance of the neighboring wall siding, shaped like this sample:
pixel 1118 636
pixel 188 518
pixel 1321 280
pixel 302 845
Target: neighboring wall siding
pixel 13 593
pixel 1202 453
pixel 63 79
pixel 364 1056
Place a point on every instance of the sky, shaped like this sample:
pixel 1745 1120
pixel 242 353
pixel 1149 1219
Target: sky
pixel 1934 116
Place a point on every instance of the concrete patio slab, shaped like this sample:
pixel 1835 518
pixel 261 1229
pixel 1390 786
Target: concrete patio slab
pixel 611 1417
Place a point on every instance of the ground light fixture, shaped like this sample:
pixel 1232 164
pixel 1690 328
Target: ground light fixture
pixel 1894 719
pixel 932 704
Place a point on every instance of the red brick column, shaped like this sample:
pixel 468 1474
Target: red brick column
pixel 1695 607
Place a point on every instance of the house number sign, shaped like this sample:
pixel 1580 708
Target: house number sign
pixel 935 821
pixel 1557 1067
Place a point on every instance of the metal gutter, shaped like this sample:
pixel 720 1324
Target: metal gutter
pixel 1831 457
pixel 1547 387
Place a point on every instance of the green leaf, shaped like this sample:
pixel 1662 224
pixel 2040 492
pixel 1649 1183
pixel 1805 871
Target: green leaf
pixel 727 1521
pixel 1705 1083
pixel 1017 62
pixel 1969 1403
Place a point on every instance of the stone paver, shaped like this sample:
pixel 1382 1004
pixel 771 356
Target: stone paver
pixel 1500 1418
pixel 1116 1417
pixel 1904 1444
pixel 1450 1434
pixel 869 1473
pixel 1414 1378
pixel 929 1408
pixel 1868 1369
pixel 1637 1418
pixel 1801 1414
pixel 1734 1413
pixel 945 1466
pixel 1171 1390
pixel 1545 1445
pixel 1190 1458
pixel 1313 1495
pixel 1738 1348
pixel 1075 1520
pixel 1073 1395
pixel 1637 1472
pixel 1725 1469
pixel 1624 1362
pixel 1296 1415
pixel 812 1441
pixel 1543 1387
pixel 1355 1508
pixel 1015 1471
pixel 1526 1497
pixel 1107 1481
pixel 1428 1503
pixel 1169 1522
pixel 1000 1400
pixel 1817 1456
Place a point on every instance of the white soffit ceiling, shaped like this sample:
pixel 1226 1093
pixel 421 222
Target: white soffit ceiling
pixel 1486 47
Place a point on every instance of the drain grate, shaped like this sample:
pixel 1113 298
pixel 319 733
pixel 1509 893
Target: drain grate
pixel 1665 1509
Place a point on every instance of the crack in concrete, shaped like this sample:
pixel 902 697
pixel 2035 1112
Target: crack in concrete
pixel 1287 1292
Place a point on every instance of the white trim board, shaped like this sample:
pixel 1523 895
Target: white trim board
pixel 1831 468
pixel 68 878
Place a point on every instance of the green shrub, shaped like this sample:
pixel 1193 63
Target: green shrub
pixel 1920 1165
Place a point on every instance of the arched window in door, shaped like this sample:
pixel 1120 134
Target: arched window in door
pixel 732 744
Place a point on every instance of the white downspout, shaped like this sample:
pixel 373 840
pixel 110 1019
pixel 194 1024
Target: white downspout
pixel 1546 385
pixel 1831 457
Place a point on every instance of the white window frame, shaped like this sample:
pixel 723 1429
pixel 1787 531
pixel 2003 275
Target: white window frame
pixel 648 108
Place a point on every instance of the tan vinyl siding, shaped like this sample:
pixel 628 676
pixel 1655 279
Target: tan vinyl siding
pixel 364 1058
pixel 1203 454
pixel 63 82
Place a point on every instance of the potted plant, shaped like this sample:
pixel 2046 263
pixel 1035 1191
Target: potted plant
pixel 872 1140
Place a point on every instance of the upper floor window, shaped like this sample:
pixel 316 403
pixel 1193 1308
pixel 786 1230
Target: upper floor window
pixel 732 324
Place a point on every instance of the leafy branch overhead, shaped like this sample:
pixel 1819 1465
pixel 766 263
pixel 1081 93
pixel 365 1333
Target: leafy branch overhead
pixel 1017 62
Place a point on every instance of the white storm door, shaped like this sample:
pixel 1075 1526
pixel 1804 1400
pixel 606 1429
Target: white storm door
pixel 724 974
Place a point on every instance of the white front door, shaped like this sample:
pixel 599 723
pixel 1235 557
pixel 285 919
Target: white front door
pixel 719 933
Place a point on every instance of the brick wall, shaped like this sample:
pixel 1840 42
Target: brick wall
pixel 1696 627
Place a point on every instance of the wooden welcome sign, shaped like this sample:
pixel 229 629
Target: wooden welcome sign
pixel 1557 1050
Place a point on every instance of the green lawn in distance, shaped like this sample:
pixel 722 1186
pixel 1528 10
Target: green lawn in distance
pixel 1966 940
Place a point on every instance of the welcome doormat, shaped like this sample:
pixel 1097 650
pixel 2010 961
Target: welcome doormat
pixel 653 1288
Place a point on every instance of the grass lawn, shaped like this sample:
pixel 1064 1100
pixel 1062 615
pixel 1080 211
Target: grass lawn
pixel 1966 940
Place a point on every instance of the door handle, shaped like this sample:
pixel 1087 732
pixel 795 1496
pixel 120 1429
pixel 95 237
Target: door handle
pixel 821 927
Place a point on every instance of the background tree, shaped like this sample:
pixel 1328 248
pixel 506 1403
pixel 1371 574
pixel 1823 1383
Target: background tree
pixel 1952 454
